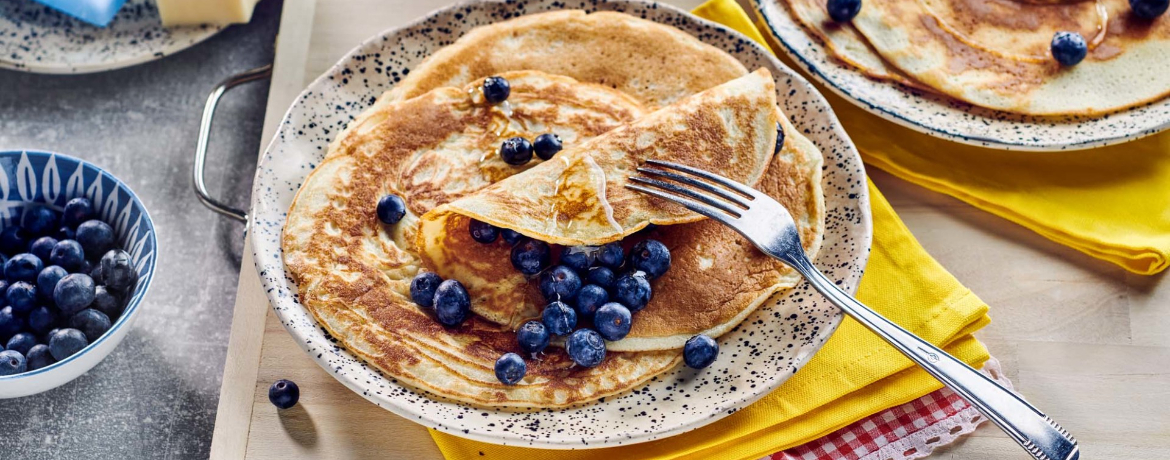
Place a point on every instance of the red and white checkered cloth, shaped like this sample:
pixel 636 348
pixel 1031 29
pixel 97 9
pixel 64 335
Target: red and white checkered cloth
pixel 912 430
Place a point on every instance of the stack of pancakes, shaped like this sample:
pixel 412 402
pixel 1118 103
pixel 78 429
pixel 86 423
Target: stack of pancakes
pixel 996 53
pixel 618 90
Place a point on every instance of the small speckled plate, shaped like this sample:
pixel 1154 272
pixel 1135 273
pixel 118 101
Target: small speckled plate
pixel 949 118
pixel 36 38
pixel 756 357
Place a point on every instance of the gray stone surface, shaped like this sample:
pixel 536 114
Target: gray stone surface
pixel 155 396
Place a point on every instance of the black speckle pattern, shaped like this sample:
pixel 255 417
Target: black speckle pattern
pixel 36 38
pixel 756 357
pixel 950 118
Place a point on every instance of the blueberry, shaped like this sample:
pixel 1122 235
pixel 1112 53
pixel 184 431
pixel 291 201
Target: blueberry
pixel 586 348
pixel 41 319
pixel 13 240
pixel 47 280
pixel 91 322
pixel 107 302
pixel 69 255
pixel 650 256
pixel 843 10
pixel 10 323
pixel 510 368
pixel 632 290
pixel 559 283
pixel 516 151
pixel 116 270
pixel 49 335
pixel 97 275
pixel 22 342
pixel 21 296
pixel 546 145
pixel 66 342
pixel 77 210
pixel 601 276
pixel 39 220
pixel 531 256
pixel 12 362
pixel 496 89
pixel 589 299
pixel 579 258
pixel 1069 48
pixel 423 287
pixel 73 293
pixel 284 394
pixel 39 356
pixel 3 292
pixel 23 267
pixel 96 237
pixel 700 351
pixel 391 209
pixel 66 233
pixel 611 255
pixel 612 321
pixel 452 304
pixel 533 337
pixel 483 232
pixel 1148 9
pixel 559 318
pixel 511 236
pixel 43 247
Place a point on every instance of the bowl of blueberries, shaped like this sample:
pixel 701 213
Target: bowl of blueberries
pixel 77 251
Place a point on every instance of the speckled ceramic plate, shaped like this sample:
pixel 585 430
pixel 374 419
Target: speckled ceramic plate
pixel 36 38
pixel 759 355
pixel 949 118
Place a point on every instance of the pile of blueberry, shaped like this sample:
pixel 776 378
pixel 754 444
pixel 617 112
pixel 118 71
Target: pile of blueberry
pixel 64 285
pixel 518 150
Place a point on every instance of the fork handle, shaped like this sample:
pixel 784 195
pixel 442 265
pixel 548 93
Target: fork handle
pixel 1033 430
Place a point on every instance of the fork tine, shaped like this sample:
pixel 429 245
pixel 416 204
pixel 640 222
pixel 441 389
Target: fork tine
pixel 688 192
pixel 723 193
pixel 747 191
pixel 695 206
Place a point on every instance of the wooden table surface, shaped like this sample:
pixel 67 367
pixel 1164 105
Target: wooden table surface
pixel 1082 339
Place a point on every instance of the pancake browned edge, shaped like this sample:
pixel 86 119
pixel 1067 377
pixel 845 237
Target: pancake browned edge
pixel 353 273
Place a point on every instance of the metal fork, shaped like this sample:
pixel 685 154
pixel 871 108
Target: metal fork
pixel 768 225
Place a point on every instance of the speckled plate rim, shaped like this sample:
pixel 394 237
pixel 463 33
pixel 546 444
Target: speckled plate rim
pixel 862 235
pixel 897 116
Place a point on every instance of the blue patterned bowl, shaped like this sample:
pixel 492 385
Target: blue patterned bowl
pixel 52 179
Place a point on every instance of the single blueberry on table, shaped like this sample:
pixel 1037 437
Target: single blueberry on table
pixel 516 151
pixel 21 296
pixel 586 348
pixel 559 318
pixel 73 293
pixel 23 267
pixel 42 319
pixel 1148 9
pixel 533 337
pixel 546 145
pixel 496 89
pixel 96 237
pixel 700 351
pixel 391 209
pixel 601 276
pixel 107 302
pixel 423 287
pixel 66 342
pixel 43 247
pixel 284 394
pixel 39 220
pixel 843 10
pixel 611 255
pixel 117 272
pixel 612 321
pixel 1069 48
pixel 91 322
pixel 650 256
pixel 531 256
pixel 39 356
pixel 559 283
pixel 77 210
pixel 13 240
pixel 21 342
pixel 632 290
pixel 510 368
pixel 69 255
pixel 10 323
pixel 47 280
pixel 12 362
pixel 483 232
pixel 510 236
pixel 579 258
pixel 452 303
pixel 66 233
pixel 589 299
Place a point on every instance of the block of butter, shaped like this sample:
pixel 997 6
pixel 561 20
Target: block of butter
pixel 194 12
